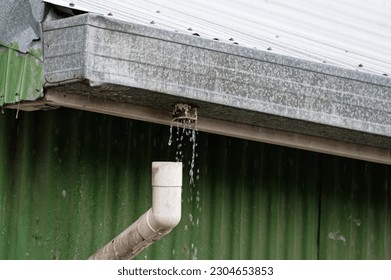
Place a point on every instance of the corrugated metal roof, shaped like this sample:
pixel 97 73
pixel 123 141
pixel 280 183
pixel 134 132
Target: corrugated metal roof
pixel 351 34
pixel 71 180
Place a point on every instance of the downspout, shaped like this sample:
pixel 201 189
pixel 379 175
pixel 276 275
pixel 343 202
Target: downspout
pixel 164 215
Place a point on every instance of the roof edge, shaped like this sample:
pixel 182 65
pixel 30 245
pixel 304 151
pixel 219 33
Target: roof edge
pixel 141 65
pixel 106 22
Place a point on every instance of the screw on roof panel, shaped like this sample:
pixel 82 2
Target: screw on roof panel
pixel 216 39
pixel 385 74
pixel 190 29
pixel 152 22
pixel 235 43
pixel 71 4
pixel 196 34
pixel 269 48
pixel 360 65
pixel 231 39
pixel 158 12
pixel 110 14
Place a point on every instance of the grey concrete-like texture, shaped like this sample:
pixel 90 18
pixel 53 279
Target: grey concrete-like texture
pixel 125 62
pixel 20 22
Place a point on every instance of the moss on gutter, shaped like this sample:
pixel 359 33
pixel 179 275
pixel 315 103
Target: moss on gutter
pixel 21 74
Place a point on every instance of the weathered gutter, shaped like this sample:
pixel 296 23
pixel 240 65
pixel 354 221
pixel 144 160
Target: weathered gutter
pixel 130 63
pixel 222 127
pixel 93 62
pixel 154 224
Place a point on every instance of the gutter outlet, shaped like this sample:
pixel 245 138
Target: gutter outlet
pixel 164 215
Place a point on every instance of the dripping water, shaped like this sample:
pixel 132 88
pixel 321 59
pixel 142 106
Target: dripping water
pixel 183 137
pixel 185 119
pixel 193 141
pixel 170 139
pixel 179 137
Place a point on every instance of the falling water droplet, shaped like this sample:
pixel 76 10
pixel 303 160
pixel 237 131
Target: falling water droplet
pixel 193 141
pixel 170 139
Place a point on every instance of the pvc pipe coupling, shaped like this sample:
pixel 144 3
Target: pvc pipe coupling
pixel 166 211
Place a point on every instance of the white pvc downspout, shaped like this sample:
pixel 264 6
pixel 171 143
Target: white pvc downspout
pixel 164 215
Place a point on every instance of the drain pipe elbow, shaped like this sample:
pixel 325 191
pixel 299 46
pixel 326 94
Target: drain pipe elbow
pixel 166 211
pixel 159 220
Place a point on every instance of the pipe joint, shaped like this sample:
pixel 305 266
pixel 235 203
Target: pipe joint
pixel 166 195
pixel 159 220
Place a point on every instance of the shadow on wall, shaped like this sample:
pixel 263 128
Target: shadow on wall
pixel 72 180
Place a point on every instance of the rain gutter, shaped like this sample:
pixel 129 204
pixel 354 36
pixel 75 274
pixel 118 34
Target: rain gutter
pixel 221 127
pixel 96 63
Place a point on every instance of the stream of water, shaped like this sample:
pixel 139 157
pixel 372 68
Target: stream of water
pixel 181 136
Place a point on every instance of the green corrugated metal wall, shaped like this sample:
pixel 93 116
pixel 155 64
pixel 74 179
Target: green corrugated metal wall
pixel 21 75
pixel 355 216
pixel 71 180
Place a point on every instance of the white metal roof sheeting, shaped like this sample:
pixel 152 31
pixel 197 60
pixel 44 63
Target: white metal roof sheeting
pixel 353 34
